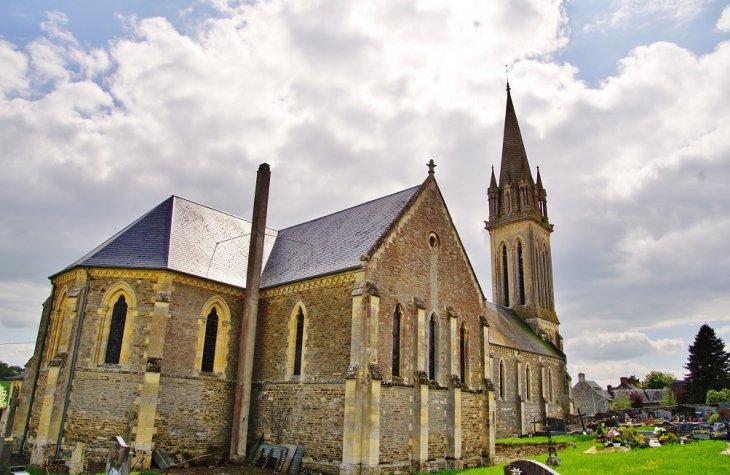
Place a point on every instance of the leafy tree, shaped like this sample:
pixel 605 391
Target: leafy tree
pixel 713 397
pixel 658 380
pixel 621 401
pixel 708 365
pixel 6 370
pixel 3 398
pixel 637 400
pixel 669 398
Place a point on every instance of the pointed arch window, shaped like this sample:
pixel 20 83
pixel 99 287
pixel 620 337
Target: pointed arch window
pixel 462 352
pixel 528 383
pixel 211 334
pixel 397 316
pixel 521 270
pixel 432 348
pixel 502 379
pixel 550 385
pixel 505 278
pixel 116 331
pixel 299 343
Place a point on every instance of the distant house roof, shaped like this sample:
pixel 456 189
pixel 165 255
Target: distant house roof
pixel 507 328
pixel 188 237
pixel 596 389
pixel 648 395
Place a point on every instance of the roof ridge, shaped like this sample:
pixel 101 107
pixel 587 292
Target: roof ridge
pixel 217 210
pixel 350 208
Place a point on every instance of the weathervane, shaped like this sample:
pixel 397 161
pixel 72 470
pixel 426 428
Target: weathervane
pixel 506 74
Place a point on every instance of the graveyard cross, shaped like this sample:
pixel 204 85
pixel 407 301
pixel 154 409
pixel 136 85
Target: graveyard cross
pixel 580 416
pixel 534 423
pixel 552 451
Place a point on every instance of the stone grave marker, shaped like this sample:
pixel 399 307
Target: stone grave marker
pixel 6 447
pixel 528 467
pixel 661 414
pixel 117 463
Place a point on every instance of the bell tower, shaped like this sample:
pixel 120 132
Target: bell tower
pixel 519 232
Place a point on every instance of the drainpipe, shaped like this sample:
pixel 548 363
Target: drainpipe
pixel 74 356
pixel 40 347
pixel 239 432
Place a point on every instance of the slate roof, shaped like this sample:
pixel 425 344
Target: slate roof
pixel 506 328
pixel 188 237
pixel 334 242
pixel 599 390
pixel 648 395
pixel 185 236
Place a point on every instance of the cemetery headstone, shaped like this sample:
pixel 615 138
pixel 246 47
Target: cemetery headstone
pixel 528 467
pixel 661 414
pixel 117 463
pixel 6 447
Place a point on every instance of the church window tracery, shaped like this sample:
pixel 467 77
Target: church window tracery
pixel 432 349
pixel 502 379
pixel 299 344
pixel 214 326
pixel 211 334
pixel 463 352
pixel 397 317
pixel 116 331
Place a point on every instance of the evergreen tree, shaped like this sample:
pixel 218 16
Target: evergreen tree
pixel 708 365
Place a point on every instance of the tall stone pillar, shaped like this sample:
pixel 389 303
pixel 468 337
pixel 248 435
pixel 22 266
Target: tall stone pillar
pixel 489 406
pixel 361 435
pixel 453 404
pixel 242 404
pixel 419 436
pixel 147 402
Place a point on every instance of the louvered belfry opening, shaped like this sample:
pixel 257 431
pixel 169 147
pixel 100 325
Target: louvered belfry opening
pixel 521 270
pixel 505 278
pixel 116 331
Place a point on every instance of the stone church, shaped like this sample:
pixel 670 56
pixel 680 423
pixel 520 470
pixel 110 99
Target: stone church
pixel 367 337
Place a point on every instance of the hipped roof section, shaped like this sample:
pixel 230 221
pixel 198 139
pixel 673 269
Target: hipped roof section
pixel 184 236
pixel 188 237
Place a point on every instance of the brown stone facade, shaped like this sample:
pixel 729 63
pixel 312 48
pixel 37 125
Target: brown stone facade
pixel 331 366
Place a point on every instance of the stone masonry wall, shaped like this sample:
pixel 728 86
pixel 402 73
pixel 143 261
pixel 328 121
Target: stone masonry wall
pixel 407 266
pixel 437 424
pixel 313 415
pixel 97 409
pixel 326 351
pixel 194 415
pixel 395 418
pixel 186 305
pixel 471 426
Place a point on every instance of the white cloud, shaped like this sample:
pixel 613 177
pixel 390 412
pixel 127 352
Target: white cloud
pixel 626 12
pixel 348 101
pixel 21 303
pixel 620 346
pixel 723 23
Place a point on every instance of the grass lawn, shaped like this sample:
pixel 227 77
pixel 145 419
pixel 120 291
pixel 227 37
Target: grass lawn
pixel 699 458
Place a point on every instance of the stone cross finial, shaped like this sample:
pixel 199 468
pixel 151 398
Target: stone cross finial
pixel 431 166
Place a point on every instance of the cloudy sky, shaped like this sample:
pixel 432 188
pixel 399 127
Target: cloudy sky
pixel 108 108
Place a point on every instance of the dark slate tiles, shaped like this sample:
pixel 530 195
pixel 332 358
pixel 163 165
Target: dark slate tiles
pixel 333 242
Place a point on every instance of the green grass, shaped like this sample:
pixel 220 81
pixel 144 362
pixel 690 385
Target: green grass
pixel 702 458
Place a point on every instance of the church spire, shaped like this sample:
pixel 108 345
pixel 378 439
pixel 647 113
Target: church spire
pixel 515 166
